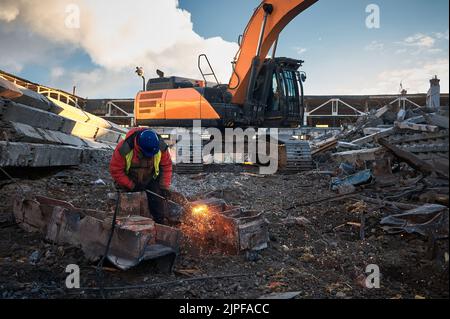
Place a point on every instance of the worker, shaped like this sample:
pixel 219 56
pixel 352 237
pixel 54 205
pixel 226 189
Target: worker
pixel 142 162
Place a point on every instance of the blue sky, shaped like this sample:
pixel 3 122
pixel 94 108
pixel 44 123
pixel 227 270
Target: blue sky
pixel 342 55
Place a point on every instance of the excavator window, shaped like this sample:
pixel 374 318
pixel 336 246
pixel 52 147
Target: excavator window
pixel 292 92
pixel 275 94
pixel 291 87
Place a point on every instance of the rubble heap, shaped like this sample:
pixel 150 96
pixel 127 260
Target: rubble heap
pixel 36 131
pixel 402 156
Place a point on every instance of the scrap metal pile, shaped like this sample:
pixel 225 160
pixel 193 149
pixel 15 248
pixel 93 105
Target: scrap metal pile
pixel 203 226
pixel 399 159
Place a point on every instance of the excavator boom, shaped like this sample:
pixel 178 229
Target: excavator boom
pixel 263 29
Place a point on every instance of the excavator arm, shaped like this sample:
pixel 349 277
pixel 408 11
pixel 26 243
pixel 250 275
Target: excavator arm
pixel 263 29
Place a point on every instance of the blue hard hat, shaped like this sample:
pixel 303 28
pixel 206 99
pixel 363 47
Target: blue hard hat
pixel 148 142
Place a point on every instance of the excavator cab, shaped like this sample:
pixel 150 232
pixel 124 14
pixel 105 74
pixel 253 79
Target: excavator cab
pixel 278 93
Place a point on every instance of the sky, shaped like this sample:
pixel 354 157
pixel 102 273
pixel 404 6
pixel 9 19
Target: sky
pixel 95 45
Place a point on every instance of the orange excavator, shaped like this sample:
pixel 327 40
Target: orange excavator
pixel 262 92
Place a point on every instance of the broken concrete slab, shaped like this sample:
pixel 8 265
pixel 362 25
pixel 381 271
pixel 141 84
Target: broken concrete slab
pixel 89 131
pixel 18 132
pixel 84 130
pixel 380 112
pixel 16 112
pixel 34 99
pixel 370 138
pixel 104 135
pixel 324 145
pixel 373 130
pixel 437 120
pixel 359 156
pixel 68 120
pixel 349 146
pixel 8 90
pixel 38 155
pixel 417 127
pixel 420 119
pixel 79 115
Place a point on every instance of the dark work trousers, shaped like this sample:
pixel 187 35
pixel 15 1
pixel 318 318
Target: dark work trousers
pixel 156 205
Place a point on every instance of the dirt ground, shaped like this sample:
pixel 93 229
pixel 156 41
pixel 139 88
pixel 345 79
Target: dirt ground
pixel 312 249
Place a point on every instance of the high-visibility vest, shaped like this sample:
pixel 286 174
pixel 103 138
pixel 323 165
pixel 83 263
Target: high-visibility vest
pixel 156 161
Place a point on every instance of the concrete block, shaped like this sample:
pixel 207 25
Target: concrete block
pixel 417 127
pixel 25 133
pixel 34 99
pixel 359 156
pixel 104 135
pixel 83 130
pixel 38 155
pixel 79 115
pixel 16 112
pixel 63 138
pixel 370 138
pixel 8 90
pixel 438 120
pixel 97 145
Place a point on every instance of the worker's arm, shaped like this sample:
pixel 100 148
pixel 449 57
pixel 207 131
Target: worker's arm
pixel 117 169
pixel 165 167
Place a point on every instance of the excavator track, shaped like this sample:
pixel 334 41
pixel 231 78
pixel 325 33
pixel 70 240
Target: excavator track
pixel 294 155
pixel 195 163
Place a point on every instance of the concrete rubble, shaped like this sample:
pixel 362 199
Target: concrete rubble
pixel 407 149
pixel 36 131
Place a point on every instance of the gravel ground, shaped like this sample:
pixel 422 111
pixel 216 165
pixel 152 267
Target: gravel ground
pixel 312 249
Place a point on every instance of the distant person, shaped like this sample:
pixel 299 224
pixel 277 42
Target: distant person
pixel 142 162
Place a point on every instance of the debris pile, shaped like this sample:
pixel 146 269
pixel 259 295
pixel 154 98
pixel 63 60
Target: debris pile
pixel 36 131
pixel 399 159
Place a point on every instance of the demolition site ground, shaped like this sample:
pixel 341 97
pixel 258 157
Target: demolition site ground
pixel 315 246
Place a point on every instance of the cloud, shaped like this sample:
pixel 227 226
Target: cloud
pixel 56 72
pixel 442 35
pixel 415 79
pixel 8 12
pixel 20 48
pixel 300 51
pixel 421 43
pixel 420 40
pixel 120 35
pixel 374 46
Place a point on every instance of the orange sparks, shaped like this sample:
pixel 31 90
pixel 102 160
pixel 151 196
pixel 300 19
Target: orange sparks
pixel 200 211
